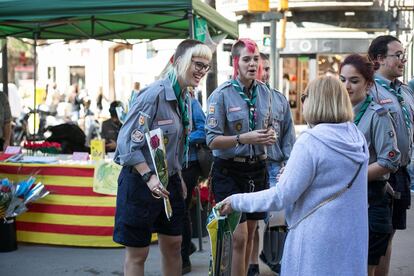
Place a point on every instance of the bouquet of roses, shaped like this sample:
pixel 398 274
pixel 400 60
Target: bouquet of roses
pixel 155 141
pixel 158 155
pixel 14 197
pixel 44 147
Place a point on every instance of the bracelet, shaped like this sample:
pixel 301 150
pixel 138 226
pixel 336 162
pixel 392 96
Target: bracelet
pixel 238 140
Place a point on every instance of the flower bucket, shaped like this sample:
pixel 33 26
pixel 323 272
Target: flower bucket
pixel 8 241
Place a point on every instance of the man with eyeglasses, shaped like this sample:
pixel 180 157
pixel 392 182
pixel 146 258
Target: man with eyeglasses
pixel 389 58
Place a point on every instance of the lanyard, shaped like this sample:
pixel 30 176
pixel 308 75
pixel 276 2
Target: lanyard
pixel 182 100
pixel 364 107
pixel 400 99
pixel 250 103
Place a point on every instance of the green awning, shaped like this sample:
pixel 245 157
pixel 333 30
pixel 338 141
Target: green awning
pixel 104 19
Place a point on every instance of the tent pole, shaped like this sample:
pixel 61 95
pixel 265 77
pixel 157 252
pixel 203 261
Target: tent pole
pixel 190 16
pixel 5 68
pixel 35 35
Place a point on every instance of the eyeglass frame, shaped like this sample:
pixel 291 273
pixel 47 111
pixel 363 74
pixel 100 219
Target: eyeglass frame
pixel 398 56
pixel 198 64
pixel 303 98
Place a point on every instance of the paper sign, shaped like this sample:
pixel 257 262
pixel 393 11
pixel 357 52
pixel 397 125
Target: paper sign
pixel 13 150
pixel 105 179
pixel 97 149
pixel 80 156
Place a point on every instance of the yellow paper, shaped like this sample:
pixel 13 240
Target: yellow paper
pixel 97 149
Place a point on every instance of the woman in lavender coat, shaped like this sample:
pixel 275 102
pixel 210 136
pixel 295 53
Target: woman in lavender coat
pixel 333 240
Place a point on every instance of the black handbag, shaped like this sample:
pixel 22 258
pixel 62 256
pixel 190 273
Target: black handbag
pixel 273 243
pixel 205 159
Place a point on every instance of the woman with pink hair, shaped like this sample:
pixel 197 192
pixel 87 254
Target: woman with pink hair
pixel 238 132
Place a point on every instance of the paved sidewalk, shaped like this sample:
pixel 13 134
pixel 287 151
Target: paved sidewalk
pixel 45 260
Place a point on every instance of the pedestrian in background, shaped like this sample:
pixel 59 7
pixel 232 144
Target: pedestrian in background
pixel 111 127
pixel 323 189
pixel 357 73
pixel 238 131
pixel 139 210
pixel 389 57
pixel 5 122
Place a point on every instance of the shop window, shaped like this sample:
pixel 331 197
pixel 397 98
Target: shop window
pixel 77 76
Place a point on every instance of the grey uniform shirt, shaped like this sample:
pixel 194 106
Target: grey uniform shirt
pixel 159 103
pixel 228 115
pixel 390 102
pixel 377 127
pixel 283 125
pixel 5 113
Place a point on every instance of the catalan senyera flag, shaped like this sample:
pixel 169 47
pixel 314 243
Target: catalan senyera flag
pixel 72 214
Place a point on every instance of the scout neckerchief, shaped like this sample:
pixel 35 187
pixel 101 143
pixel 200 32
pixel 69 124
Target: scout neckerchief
pixel 183 107
pixel 364 107
pixel 251 103
pixel 400 99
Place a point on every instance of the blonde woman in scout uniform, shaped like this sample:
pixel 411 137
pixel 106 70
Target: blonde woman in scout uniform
pixel 357 73
pixel 140 210
pixel 238 132
pixel 389 57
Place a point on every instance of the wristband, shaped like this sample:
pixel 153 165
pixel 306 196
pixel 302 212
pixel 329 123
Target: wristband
pixel 238 140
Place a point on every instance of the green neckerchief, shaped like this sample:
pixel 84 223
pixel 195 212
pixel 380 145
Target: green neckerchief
pixel 251 103
pixel 364 107
pixel 183 107
pixel 400 99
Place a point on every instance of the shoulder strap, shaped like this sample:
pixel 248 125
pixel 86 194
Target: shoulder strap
pixel 336 195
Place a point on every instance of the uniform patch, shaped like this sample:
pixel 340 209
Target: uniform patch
pixel 384 101
pixel 381 111
pixel 233 109
pixel 212 122
pixel 165 140
pixel 211 109
pixel 238 126
pixel 391 133
pixel 141 120
pixel 137 136
pixel 164 122
pixel 391 154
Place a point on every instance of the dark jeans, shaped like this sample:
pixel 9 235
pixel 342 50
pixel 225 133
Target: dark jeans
pixel 190 176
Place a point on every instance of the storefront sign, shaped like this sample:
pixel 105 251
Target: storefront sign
pixel 314 46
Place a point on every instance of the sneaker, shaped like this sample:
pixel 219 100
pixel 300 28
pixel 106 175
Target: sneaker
pixel 186 267
pixel 253 270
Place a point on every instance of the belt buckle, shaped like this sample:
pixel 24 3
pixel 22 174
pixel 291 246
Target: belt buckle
pixel 251 160
pixel 239 159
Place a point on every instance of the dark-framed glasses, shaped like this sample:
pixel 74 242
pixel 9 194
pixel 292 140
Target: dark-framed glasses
pixel 400 56
pixel 303 98
pixel 200 66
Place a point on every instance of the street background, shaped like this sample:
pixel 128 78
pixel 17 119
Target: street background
pixel 45 260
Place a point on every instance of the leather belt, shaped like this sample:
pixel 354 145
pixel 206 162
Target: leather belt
pixel 248 160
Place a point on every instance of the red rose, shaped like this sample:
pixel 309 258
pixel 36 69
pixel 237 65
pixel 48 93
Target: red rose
pixel 155 142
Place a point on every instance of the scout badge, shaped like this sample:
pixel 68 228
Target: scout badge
pixel 220 229
pixel 158 153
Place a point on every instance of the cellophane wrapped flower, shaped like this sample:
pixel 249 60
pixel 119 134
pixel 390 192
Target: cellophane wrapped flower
pixel 43 147
pixel 14 197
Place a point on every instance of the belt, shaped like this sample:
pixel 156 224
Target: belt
pixel 249 160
